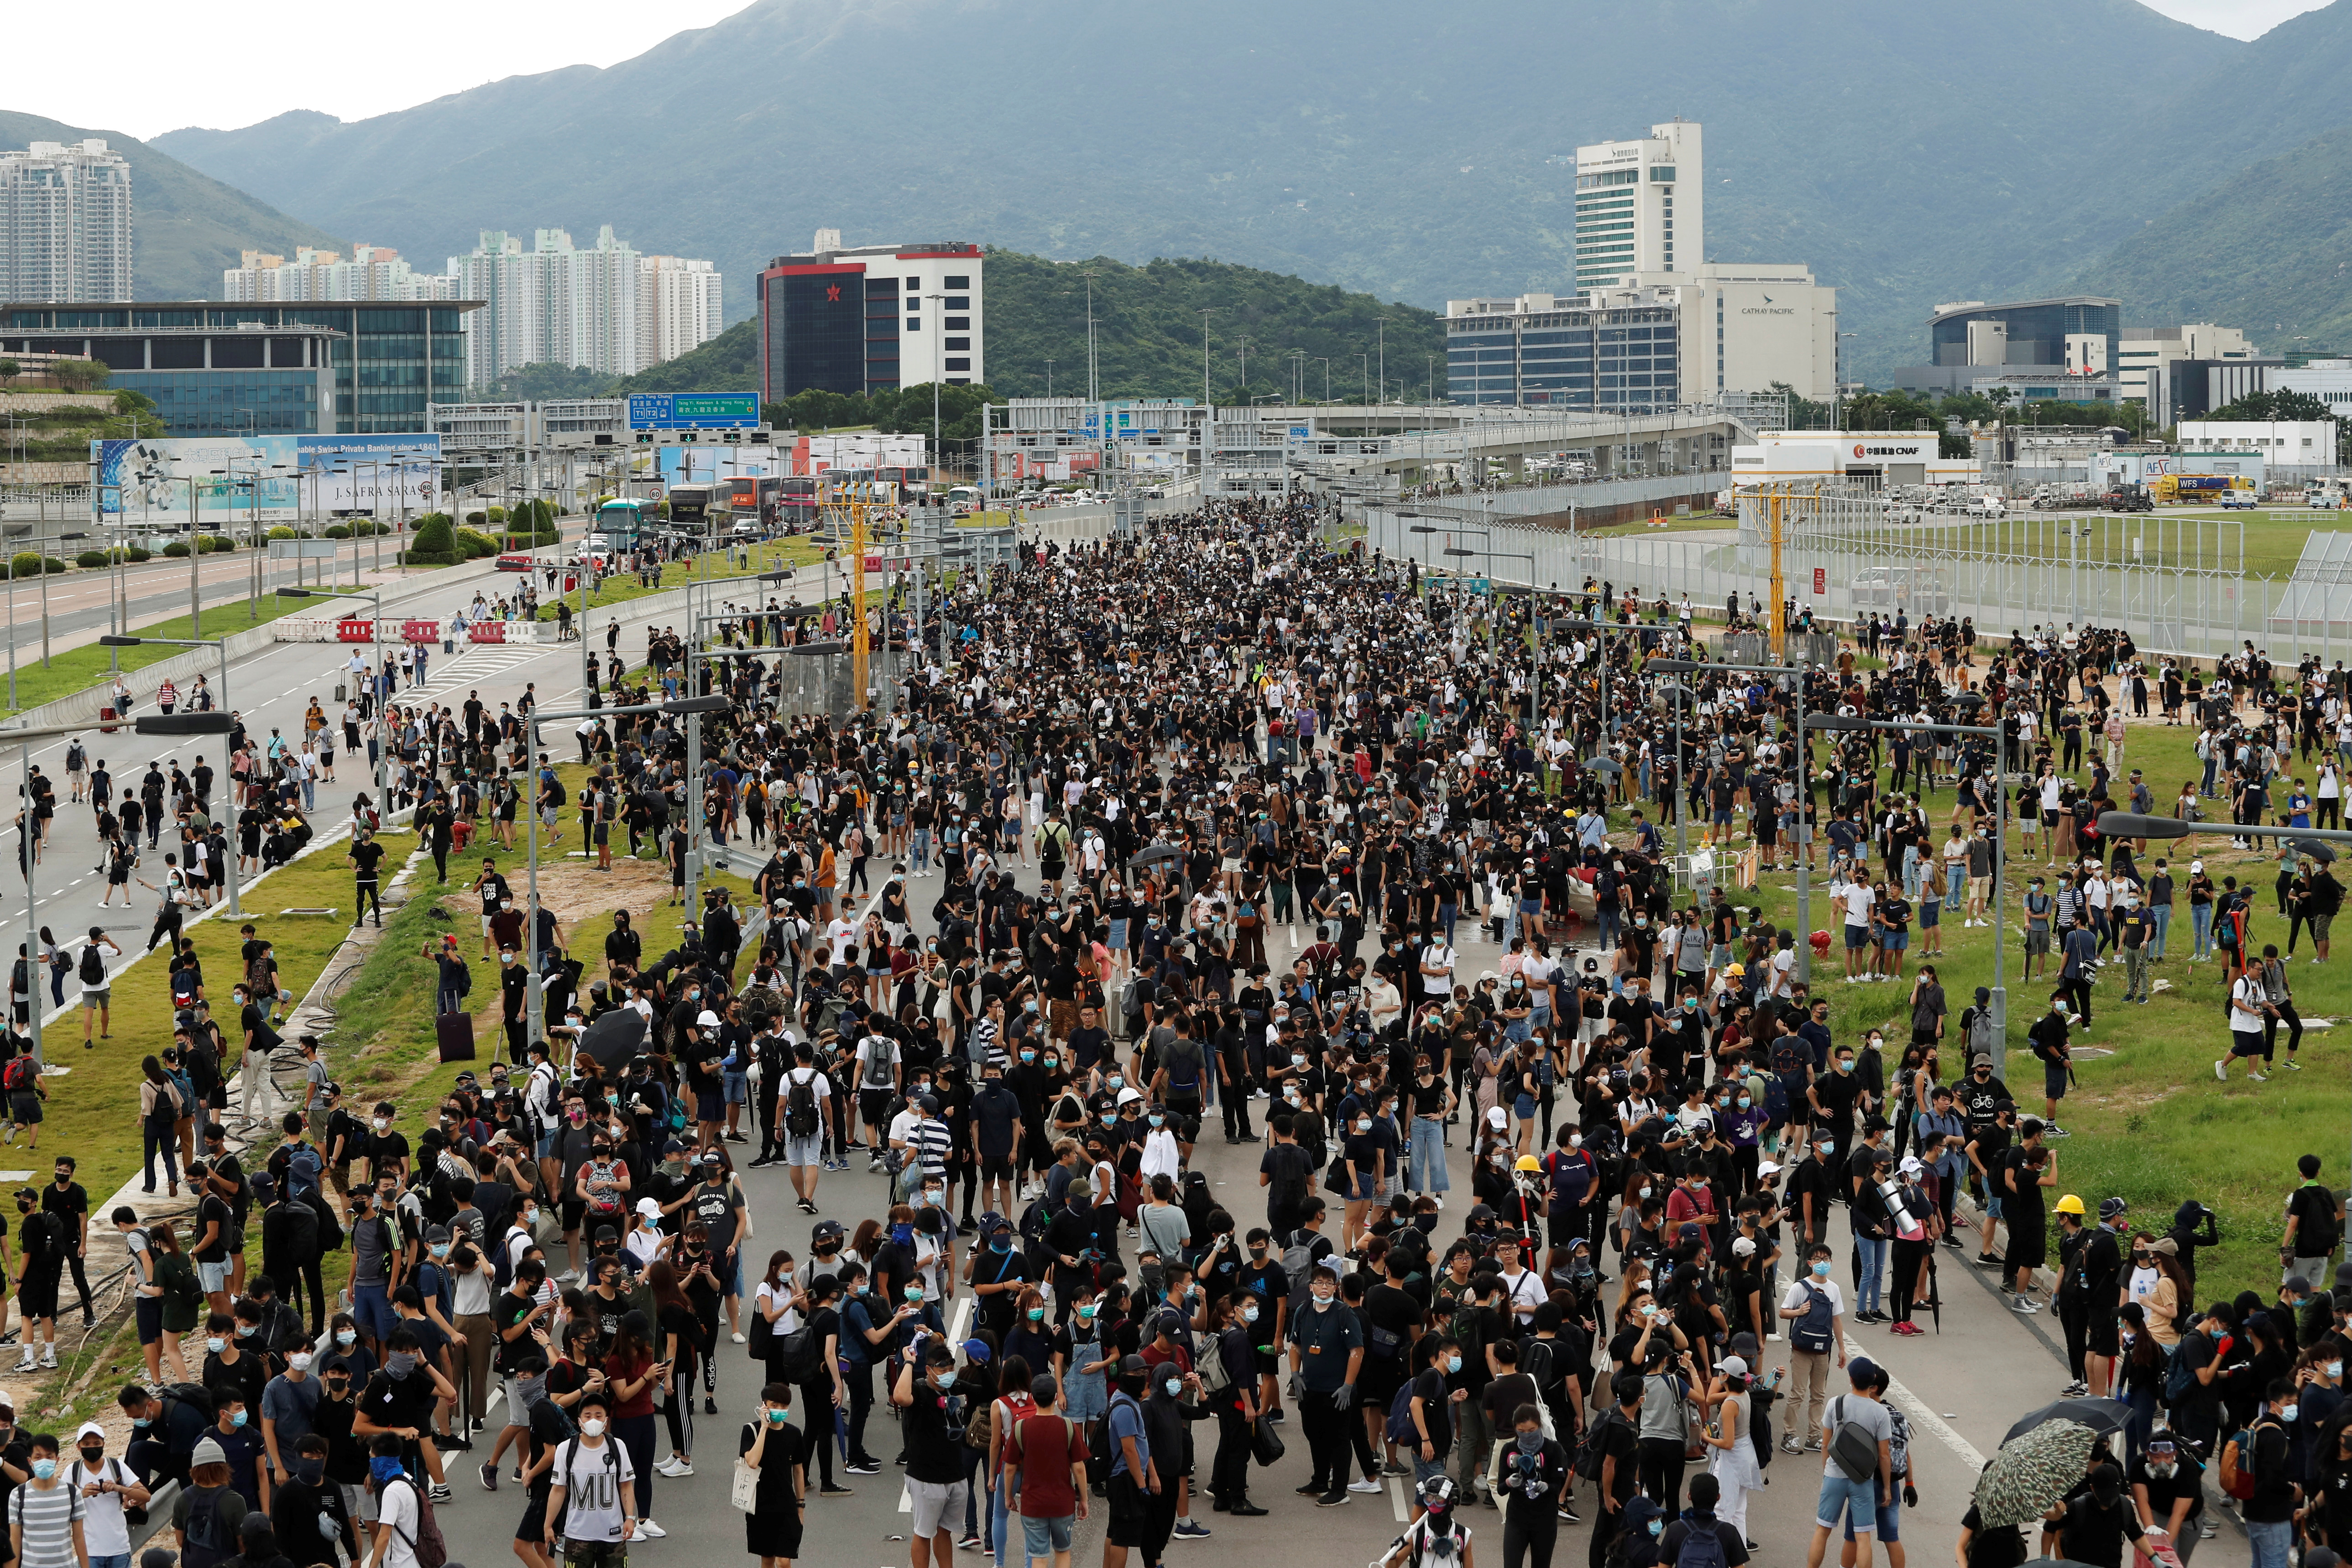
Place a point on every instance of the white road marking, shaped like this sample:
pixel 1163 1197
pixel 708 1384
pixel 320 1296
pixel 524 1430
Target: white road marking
pixel 1922 1418
pixel 1396 1504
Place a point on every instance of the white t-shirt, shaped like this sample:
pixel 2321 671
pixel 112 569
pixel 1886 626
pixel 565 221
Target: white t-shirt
pixel 1438 954
pixel 592 1480
pixel 1795 1296
pixel 1858 900
pixel 104 1531
pixel 396 1508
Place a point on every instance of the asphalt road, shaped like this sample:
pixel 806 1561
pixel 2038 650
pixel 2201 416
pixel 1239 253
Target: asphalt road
pixel 1962 1385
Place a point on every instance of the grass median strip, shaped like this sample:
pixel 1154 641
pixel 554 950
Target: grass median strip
pixel 93 1112
pixel 79 669
pixel 775 555
pixel 2146 1121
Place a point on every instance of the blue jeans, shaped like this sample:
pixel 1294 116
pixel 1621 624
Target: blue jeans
pixel 996 1521
pixel 1955 882
pixel 918 849
pixel 2270 1541
pixel 372 1311
pixel 1428 1154
pixel 2163 914
pixel 2201 916
pixel 1873 1269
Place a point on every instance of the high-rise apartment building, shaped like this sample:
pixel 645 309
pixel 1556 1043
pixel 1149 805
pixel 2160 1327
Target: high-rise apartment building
pixel 599 309
pixel 872 317
pixel 679 308
pixel 374 272
pixel 1640 207
pixel 65 222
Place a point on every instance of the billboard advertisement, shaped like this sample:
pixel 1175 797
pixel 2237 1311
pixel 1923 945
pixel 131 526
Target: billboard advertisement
pixel 694 410
pixel 234 480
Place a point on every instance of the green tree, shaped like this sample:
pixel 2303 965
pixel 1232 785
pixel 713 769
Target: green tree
pixel 2280 405
pixel 80 375
pixel 9 368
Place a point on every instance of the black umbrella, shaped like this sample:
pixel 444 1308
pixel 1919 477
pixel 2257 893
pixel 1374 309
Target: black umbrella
pixel 614 1039
pixel 1157 854
pixel 2104 1416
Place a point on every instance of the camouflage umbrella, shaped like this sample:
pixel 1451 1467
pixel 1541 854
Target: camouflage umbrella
pixel 2034 1472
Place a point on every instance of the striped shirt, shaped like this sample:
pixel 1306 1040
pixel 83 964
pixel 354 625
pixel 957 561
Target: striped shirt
pixel 928 1140
pixel 47 1518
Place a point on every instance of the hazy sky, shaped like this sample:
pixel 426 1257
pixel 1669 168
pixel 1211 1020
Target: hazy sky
pixel 183 65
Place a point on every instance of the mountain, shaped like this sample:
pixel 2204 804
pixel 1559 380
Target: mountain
pixel 729 362
pixel 1385 146
pixel 2254 231
pixel 2264 250
pixel 186 226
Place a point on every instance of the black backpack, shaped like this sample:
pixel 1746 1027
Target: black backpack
pixel 1098 1445
pixel 1592 1448
pixel 800 1107
pixel 94 968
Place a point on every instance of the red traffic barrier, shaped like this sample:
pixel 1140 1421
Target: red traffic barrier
pixel 487 631
pixel 420 630
pixel 354 631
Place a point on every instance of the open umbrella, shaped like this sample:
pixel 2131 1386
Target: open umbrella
pixel 1157 854
pixel 2103 1416
pixel 2034 1472
pixel 614 1037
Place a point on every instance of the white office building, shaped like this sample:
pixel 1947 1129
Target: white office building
pixel 2145 355
pixel 374 272
pixel 1640 207
pixel 65 224
pixel 2281 444
pixel 679 308
pixel 601 308
pixel 2329 381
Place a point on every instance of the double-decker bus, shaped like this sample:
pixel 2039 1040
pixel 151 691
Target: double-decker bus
pixel 796 504
pixel 751 498
pixel 690 506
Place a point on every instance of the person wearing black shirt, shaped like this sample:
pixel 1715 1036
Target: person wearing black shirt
pixel 2098 1521
pixel 366 855
pixel 2168 1486
pixel 66 1198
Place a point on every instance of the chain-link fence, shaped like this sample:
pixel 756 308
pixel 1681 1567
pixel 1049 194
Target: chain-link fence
pixel 2177 587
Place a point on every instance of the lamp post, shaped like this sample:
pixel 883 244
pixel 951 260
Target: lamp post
pixel 220 646
pixel 375 663
pixel 1804 945
pixel 161 724
pixel 535 1028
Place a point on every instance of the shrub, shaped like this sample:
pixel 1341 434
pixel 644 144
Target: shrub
pixel 137 554
pixel 435 543
pixel 476 519
pixel 91 557
pixel 216 543
pixel 475 545
pixel 25 564
pixel 495 515
pixel 52 565
pixel 283 533
pixel 176 549
pixel 338 531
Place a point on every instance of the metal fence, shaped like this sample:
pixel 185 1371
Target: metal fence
pixel 1841 558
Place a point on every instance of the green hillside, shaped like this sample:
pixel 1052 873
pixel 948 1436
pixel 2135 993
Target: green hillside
pixel 188 227
pixel 1146 337
pixel 2263 250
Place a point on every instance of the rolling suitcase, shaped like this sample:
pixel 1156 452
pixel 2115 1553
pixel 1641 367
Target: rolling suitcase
pixel 456 1035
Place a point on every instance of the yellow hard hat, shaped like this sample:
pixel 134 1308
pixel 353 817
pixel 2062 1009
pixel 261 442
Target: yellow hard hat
pixel 1529 1163
pixel 2070 1204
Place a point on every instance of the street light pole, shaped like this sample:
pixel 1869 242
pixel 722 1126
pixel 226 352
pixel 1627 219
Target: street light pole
pixel 220 646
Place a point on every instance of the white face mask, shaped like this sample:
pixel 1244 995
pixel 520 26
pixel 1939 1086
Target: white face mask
pixel 592 1427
